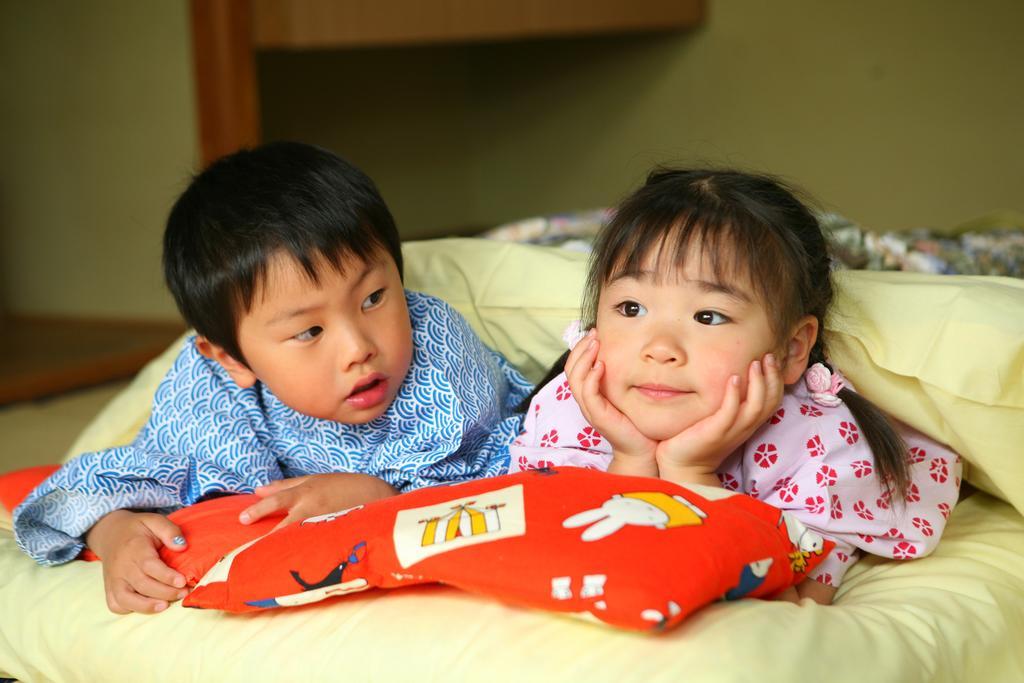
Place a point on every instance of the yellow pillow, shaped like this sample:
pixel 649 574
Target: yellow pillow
pixel 944 354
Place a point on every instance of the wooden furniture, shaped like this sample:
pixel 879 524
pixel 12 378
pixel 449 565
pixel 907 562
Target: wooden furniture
pixel 43 356
pixel 40 357
pixel 227 34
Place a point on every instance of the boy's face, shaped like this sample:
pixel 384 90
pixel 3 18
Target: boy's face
pixel 338 350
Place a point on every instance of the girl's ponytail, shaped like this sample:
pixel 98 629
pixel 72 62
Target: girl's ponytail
pixel 888 448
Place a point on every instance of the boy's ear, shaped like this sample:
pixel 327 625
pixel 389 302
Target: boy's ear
pixel 239 372
pixel 798 348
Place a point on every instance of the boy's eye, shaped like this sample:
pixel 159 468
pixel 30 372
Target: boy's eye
pixel 631 309
pixel 372 300
pixel 710 318
pixel 310 334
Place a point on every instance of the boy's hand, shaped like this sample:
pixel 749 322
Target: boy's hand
pixel 134 577
pixel 315 494
pixel 694 455
pixel 632 452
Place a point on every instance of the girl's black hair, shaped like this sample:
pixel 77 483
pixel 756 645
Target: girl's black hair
pixel 247 206
pixel 746 225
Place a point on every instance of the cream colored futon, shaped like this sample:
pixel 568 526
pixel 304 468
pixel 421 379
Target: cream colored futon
pixel 943 353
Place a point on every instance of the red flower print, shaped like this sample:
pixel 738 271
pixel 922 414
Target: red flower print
pixel 550 439
pixel 728 481
pixel 766 455
pixel 842 557
pixel 825 578
pixel 862 468
pixel 924 525
pixel 524 463
pixel 536 408
pixel 563 393
pixel 777 417
pixel 863 511
pixel 848 432
pixel 815 505
pixel 589 437
pixel 938 470
pixel 884 501
pixel 753 489
pixel 826 476
pixel 895 533
pixel 544 464
pixel 866 538
pixel 917 454
pixel 809 410
pixel 904 551
pixel 815 448
pixel 944 509
pixel 787 490
pixel 913 494
pixel 837 508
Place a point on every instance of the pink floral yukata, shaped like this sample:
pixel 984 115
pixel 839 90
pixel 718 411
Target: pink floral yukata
pixel 810 458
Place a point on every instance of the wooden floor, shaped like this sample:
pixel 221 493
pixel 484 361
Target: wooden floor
pixel 40 357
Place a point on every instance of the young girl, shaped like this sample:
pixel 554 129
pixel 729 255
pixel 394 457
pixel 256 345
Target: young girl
pixel 704 363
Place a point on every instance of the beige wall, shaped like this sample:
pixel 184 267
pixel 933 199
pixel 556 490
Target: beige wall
pixel 97 136
pixel 895 114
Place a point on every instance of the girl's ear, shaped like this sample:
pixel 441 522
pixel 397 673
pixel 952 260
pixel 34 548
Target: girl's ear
pixel 798 348
pixel 239 372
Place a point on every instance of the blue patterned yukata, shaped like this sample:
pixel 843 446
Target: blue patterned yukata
pixel 452 420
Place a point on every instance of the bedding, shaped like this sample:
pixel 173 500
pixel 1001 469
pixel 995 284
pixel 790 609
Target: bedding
pixel 945 354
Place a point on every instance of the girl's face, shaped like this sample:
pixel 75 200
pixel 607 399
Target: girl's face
pixel 338 349
pixel 670 344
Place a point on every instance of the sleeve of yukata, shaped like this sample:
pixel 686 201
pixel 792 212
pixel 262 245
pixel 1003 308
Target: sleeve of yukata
pixel 555 433
pixel 203 436
pixel 832 486
pixel 453 417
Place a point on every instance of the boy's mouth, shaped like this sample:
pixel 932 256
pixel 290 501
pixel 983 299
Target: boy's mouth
pixel 369 391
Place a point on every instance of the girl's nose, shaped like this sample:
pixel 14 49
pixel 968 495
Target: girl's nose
pixel 664 349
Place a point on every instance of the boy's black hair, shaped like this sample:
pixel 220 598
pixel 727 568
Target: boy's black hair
pixel 249 205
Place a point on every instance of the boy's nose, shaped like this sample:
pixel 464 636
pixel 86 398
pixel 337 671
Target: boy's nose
pixel 356 349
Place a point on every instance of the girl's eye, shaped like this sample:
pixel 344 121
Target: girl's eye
pixel 631 309
pixel 710 318
pixel 310 334
pixel 372 300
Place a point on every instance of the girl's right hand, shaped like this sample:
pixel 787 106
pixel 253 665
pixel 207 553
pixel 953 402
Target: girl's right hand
pixel 135 579
pixel 632 452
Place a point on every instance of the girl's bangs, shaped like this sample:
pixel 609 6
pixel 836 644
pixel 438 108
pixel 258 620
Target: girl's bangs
pixel 736 250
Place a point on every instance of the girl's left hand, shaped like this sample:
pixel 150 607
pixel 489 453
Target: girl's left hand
pixel 694 455
pixel 315 494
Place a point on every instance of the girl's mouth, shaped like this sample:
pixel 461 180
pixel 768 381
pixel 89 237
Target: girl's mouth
pixel 659 392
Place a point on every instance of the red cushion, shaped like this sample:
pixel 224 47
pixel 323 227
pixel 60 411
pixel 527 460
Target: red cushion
pixel 14 486
pixel 633 552
pixel 211 527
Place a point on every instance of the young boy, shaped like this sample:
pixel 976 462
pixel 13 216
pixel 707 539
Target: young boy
pixel 314 379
